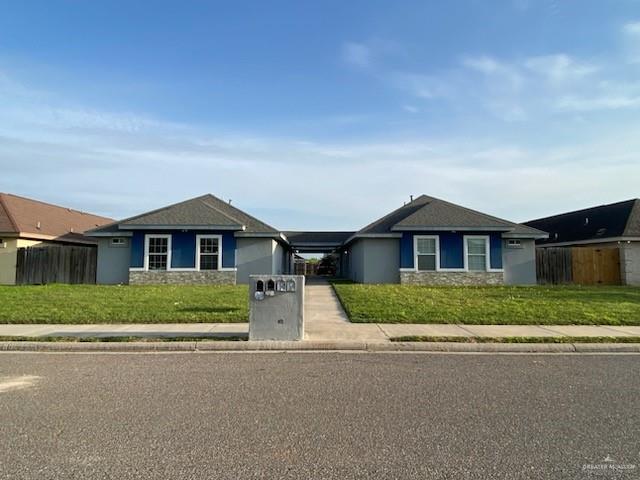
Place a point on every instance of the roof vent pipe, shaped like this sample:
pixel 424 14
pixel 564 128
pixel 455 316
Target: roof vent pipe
pixel 411 197
pixel 229 201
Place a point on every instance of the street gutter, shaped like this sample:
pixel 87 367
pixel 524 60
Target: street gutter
pixel 247 346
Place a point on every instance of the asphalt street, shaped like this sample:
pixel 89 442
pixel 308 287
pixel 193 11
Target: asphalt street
pixel 318 416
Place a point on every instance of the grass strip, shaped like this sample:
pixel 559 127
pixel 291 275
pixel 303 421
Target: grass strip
pixel 566 339
pixel 8 338
pixel 491 305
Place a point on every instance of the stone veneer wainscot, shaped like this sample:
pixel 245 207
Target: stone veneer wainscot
pixel 451 278
pixel 211 277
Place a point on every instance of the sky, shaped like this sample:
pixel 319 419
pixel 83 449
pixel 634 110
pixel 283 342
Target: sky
pixel 321 115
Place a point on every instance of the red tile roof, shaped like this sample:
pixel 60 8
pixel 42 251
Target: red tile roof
pixel 26 217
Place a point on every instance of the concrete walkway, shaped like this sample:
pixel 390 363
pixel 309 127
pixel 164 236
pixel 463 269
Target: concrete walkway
pixel 330 328
pixel 325 319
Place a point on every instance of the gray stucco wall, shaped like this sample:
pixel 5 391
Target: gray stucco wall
pixel 381 260
pixel 278 259
pixel 356 261
pixel 375 260
pixel 113 262
pixel 254 256
pixel 519 264
pixel 630 263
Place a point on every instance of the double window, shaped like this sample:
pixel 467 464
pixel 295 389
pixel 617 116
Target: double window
pixel 427 253
pixel 208 252
pixel 158 252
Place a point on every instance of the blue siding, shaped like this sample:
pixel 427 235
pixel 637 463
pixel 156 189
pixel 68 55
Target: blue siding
pixel 228 250
pixel 495 246
pixel 451 248
pixel 406 250
pixel 137 250
pixel 183 247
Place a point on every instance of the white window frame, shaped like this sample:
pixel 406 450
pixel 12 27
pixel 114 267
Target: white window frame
pixel 415 251
pixel 200 237
pixel 487 240
pixel 514 243
pixel 118 242
pixel 147 237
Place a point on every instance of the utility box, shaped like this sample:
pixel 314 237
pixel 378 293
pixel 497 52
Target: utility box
pixel 276 307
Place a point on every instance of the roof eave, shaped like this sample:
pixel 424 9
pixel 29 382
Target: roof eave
pixel 180 227
pixel 453 228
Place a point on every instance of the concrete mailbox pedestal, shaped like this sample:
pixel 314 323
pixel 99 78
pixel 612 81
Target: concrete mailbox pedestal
pixel 276 307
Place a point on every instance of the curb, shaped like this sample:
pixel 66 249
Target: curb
pixel 248 346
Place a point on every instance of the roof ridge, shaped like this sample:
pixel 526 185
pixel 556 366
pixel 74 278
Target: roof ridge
pixel 5 207
pixel 379 220
pixel 508 222
pixel 52 205
pixel 243 212
pixel 128 219
pixel 636 200
pixel 213 207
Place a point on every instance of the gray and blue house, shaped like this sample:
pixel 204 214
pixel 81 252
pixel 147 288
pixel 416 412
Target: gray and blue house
pixel 430 241
pixel 206 240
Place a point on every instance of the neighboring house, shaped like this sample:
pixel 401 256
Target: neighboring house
pixel 204 240
pixel 432 242
pixel 612 225
pixel 25 223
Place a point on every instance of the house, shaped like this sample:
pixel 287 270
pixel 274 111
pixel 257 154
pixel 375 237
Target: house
pixel 25 222
pixel 612 225
pixel 432 242
pixel 207 240
pixel 204 240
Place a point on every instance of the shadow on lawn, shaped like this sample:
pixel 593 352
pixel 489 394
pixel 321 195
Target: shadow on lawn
pixel 209 309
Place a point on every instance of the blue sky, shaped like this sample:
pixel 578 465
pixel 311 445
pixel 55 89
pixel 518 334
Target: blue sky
pixel 321 115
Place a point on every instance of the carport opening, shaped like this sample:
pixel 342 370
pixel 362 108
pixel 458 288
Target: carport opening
pixel 319 254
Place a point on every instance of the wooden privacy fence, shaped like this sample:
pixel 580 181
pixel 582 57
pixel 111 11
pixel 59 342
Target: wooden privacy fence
pixel 56 264
pixel 579 265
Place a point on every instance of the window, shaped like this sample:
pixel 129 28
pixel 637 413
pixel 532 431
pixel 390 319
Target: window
pixel 477 253
pixel 427 253
pixel 514 243
pixel 208 252
pixel 158 252
pixel 118 242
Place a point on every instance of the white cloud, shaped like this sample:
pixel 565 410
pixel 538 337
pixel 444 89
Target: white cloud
pixel 631 28
pixel 357 54
pixel 581 104
pixel 631 41
pixel 410 108
pixel 122 163
pixel 559 67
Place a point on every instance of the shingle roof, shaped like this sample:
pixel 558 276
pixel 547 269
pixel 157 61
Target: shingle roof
pixel 432 213
pixel 20 215
pixel 204 211
pixel 621 219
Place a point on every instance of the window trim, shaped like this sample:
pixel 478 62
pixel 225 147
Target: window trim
pixel 118 242
pixel 487 255
pixel 415 251
pixel 200 237
pixel 147 237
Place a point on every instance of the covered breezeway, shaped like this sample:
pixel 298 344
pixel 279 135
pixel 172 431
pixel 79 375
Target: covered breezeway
pixel 323 243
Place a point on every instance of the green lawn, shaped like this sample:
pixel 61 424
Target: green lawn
pixel 123 304
pixel 491 305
